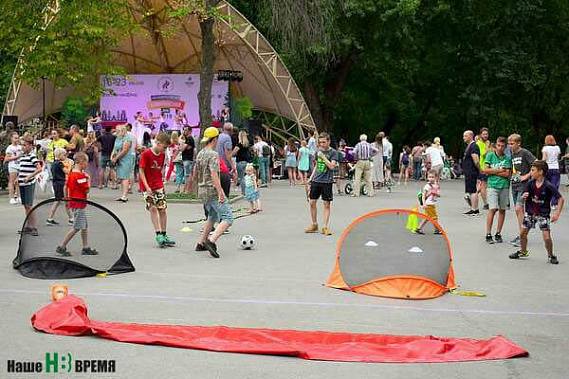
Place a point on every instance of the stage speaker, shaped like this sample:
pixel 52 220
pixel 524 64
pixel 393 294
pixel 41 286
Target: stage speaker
pixel 254 127
pixel 7 118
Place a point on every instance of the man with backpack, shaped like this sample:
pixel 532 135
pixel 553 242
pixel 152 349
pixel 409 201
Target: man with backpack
pixel 263 151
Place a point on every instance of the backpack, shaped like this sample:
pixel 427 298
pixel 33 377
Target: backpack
pixel 420 196
pixel 266 150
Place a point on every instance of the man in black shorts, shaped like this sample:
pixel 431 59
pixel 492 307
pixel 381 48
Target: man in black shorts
pixel 321 182
pixel 471 168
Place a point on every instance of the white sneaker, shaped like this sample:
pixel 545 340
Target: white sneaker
pixel 14 200
pixel 19 200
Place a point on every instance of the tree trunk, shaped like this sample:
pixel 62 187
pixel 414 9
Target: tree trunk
pixel 207 64
pixel 335 81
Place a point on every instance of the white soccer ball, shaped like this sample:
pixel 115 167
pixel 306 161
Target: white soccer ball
pixel 247 242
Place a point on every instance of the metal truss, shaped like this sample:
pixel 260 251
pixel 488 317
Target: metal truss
pixel 247 32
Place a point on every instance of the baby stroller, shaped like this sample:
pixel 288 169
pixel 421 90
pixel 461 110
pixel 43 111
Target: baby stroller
pixel 349 187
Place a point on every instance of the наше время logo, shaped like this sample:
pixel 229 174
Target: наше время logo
pixel 57 362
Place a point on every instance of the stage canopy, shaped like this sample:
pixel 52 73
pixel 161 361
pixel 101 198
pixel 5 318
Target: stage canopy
pixel 240 46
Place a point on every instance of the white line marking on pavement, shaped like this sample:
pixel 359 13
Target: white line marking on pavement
pixel 303 303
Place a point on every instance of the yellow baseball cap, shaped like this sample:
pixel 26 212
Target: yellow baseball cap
pixel 210 133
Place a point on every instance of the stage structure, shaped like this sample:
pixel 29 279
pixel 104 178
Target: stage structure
pixel 240 47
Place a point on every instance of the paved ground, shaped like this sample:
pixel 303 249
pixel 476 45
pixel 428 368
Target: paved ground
pixel 279 286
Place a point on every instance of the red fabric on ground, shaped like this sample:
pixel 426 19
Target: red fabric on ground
pixel 68 316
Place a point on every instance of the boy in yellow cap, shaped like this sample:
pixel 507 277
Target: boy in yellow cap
pixel 216 205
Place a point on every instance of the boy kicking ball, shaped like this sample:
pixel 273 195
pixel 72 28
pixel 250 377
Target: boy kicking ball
pixel 78 186
pixel 537 195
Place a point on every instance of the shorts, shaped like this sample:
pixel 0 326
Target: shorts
pixel 156 199
pixel 530 222
pixel 218 212
pixel 517 195
pixel 79 218
pixel 59 190
pixel 105 161
pixel 323 190
pixel 387 162
pixel 13 170
pixel 470 183
pixel 188 167
pixel 498 198
pixel 27 194
pixel 431 212
pixel 483 177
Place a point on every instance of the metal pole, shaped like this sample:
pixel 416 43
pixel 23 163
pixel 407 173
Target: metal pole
pixel 44 126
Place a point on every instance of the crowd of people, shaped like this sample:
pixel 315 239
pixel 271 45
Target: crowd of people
pixel 491 168
pixel 71 162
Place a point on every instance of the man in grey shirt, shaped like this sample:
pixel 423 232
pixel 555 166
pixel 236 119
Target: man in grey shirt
pixel 225 149
pixel 521 171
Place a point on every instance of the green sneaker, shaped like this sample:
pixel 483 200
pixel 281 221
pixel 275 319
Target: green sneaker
pixel 169 241
pixel 160 240
pixel 519 254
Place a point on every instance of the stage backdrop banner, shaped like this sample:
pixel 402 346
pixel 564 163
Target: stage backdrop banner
pixel 158 97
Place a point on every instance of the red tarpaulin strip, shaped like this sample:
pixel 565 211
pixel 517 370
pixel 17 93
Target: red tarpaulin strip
pixel 68 316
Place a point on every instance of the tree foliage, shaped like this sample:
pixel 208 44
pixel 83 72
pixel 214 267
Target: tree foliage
pixel 76 47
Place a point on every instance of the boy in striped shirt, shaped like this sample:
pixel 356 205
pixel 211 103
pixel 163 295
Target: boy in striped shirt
pixel 30 166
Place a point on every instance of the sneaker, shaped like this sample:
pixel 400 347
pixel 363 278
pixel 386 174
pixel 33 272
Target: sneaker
pixel 312 229
pixel 70 222
pixel 160 240
pixel 169 241
pixel 89 251
pixel 467 199
pixel 498 238
pixel 14 200
pixel 200 247
pixel 472 213
pixel 34 232
pixel 419 231
pixel 438 231
pixel 489 239
pixel 516 241
pixel 18 200
pixel 211 247
pixel 553 260
pixel 486 207
pixel 519 254
pixel 326 231
pixel 60 250
pixel 51 222
pixel 26 230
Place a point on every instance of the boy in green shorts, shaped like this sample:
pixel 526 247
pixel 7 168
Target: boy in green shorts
pixel 498 169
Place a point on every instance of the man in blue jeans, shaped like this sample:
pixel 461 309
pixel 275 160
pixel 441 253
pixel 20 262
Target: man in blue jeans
pixel 216 205
pixel 263 151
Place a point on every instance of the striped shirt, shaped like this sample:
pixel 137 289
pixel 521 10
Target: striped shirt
pixel 28 163
pixel 364 151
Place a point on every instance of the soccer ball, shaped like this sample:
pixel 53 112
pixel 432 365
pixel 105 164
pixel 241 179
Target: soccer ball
pixel 247 242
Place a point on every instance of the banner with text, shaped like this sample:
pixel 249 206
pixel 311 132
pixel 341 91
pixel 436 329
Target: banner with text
pixel 166 102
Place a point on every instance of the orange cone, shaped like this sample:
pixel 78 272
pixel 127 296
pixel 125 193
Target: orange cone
pixel 59 291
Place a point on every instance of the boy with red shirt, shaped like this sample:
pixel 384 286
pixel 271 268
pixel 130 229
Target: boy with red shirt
pixel 78 185
pixel 151 167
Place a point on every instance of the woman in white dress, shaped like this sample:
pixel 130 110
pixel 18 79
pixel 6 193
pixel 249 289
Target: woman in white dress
pixel 377 161
pixel 550 154
pixel 437 143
